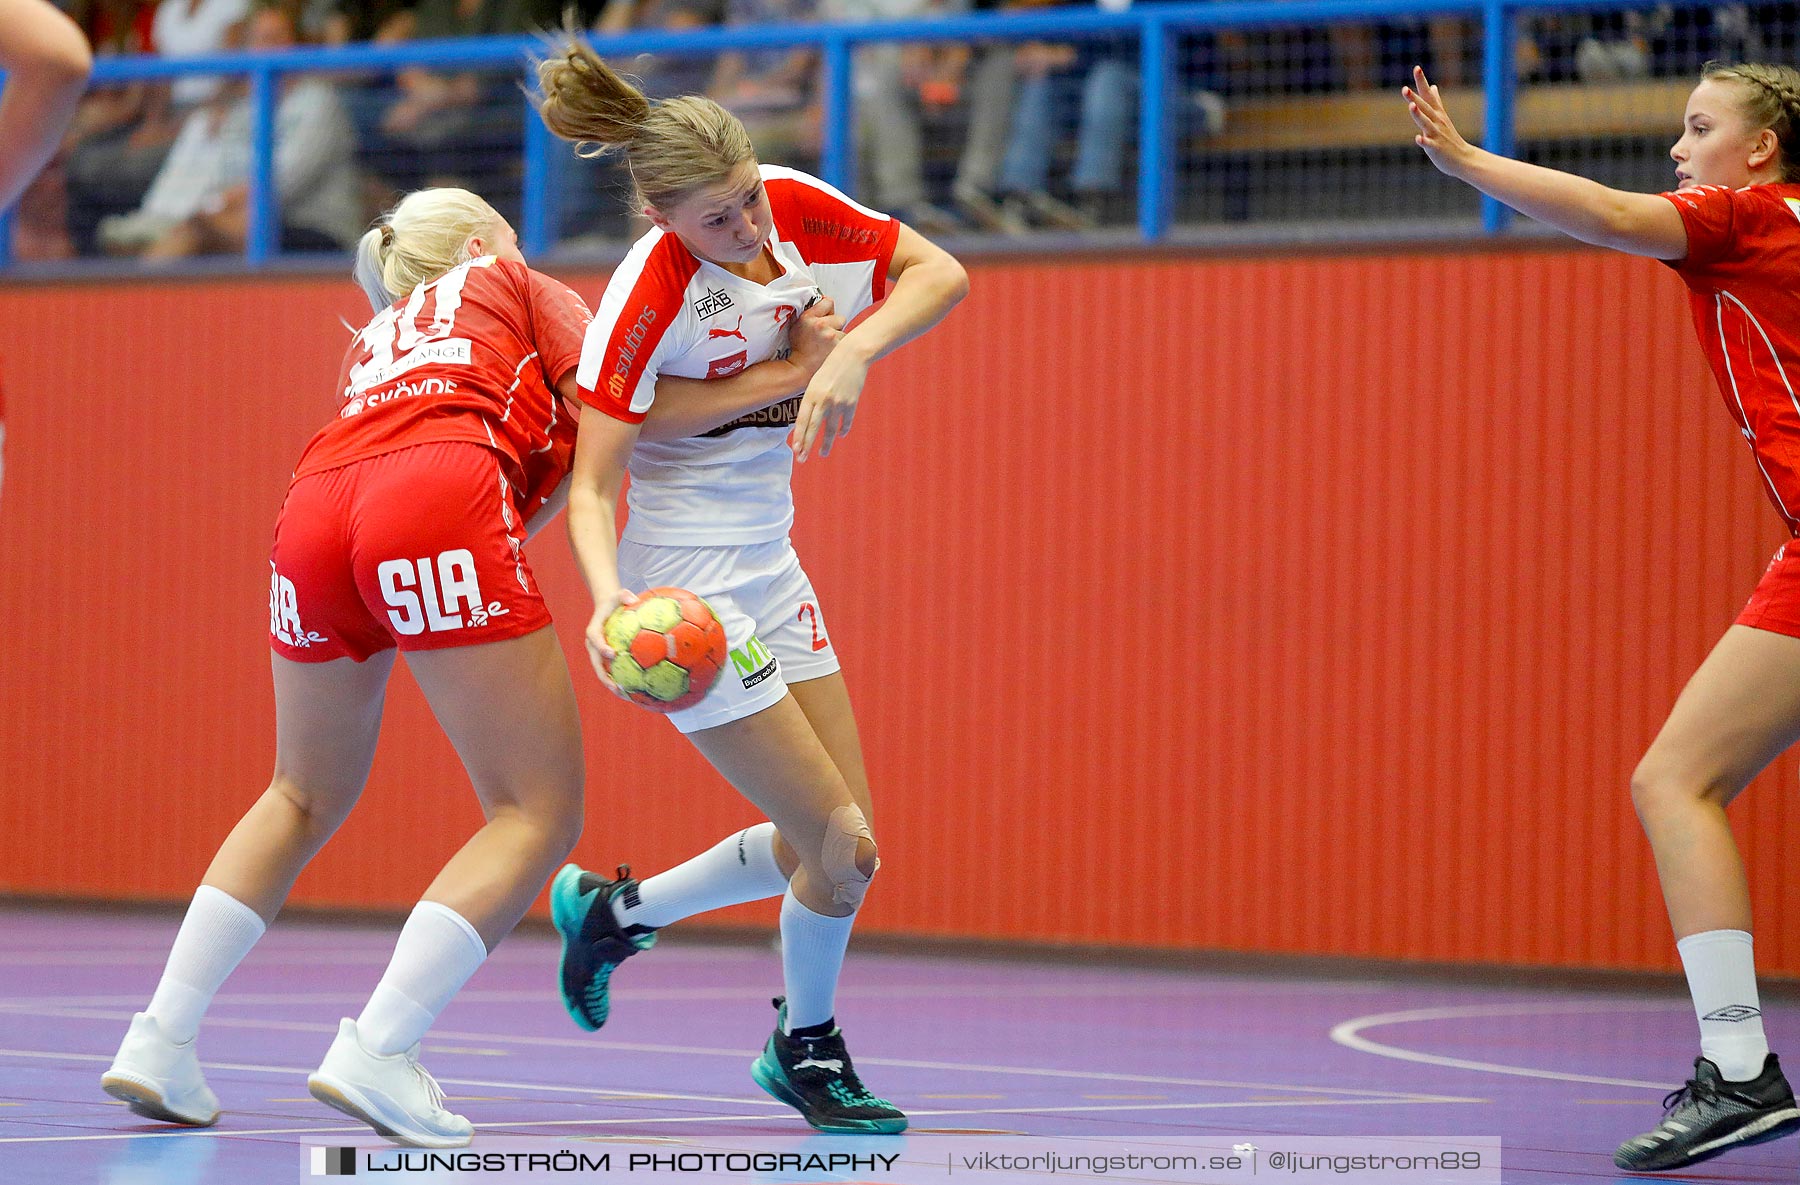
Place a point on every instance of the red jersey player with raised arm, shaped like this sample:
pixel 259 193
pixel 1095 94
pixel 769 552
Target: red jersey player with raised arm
pixel 1731 230
pixel 404 530
pixel 737 251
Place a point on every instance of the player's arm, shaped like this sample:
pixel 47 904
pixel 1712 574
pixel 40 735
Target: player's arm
pixel 47 61
pixel 553 506
pixel 927 282
pixel 602 448
pixel 1636 223
pixel 689 407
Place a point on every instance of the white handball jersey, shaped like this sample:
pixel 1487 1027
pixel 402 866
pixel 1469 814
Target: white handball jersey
pixel 666 311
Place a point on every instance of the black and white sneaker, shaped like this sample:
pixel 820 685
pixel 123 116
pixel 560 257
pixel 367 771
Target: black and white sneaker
pixel 810 1071
pixel 593 941
pixel 1709 1115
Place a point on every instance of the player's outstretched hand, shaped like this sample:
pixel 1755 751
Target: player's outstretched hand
pixel 599 653
pixel 829 405
pixel 814 334
pixel 1437 134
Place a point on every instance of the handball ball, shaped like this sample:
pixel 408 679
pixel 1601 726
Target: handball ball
pixel 668 648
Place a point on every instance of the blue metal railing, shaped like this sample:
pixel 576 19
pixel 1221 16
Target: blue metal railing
pixel 1157 27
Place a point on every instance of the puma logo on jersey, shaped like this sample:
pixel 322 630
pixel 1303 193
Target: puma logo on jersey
pixel 735 331
pixel 425 594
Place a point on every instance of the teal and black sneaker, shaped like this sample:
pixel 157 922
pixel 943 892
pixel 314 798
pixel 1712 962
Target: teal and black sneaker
pixel 810 1071
pixel 593 941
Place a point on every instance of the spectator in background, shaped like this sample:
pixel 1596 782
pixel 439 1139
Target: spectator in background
pixel 982 77
pixel 111 169
pixel 199 203
pixel 591 193
pixel 449 128
pixel 1379 54
pixel 1099 77
pixel 773 92
pixel 886 82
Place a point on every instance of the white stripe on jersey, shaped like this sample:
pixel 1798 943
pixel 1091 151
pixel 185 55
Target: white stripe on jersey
pixel 782 173
pixel 731 487
pixel 1725 350
pixel 619 288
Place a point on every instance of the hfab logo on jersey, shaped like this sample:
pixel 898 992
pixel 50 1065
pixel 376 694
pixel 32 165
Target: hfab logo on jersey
pixel 425 595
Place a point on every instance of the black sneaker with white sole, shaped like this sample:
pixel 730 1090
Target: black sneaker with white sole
pixel 1709 1115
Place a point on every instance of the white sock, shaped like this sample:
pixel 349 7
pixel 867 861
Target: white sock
pixel 737 869
pixel 1721 974
pixel 216 934
pixel 437 952
pixel 812 954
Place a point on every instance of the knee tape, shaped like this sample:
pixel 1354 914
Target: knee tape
pixel 848 882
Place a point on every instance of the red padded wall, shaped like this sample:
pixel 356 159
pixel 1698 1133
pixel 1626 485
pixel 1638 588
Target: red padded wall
pixel 1315 603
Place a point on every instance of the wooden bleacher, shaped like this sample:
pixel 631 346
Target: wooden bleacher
pixel 1375 119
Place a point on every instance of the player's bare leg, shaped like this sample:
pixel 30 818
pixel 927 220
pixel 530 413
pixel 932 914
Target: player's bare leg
pixel 1738 713
pixel 327 719
pixel 778 761
pixel 826 703
pixel 509 709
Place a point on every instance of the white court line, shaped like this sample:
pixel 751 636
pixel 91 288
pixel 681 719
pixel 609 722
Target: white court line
pixel 296 955
pixel 1349 1034
pixel 502 1127
pixel 596 1093
pixel 708 1051
pixel 522 996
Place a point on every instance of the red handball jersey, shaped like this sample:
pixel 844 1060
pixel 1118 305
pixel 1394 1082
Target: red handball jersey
pixel 1743 276
pixel 474 355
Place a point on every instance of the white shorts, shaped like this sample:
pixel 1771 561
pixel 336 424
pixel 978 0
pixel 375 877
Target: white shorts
pixel 772 620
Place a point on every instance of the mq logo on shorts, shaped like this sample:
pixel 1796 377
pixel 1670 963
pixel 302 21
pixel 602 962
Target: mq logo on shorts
pixel 753 662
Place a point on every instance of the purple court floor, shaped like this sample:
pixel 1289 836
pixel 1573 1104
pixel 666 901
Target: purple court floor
pixel 1045 1049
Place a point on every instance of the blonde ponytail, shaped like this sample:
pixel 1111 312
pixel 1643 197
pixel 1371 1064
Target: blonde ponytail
pixel 671 147
pixel 587 102
pixel 422 237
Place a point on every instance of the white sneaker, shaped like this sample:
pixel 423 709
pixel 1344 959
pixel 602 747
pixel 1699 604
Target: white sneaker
pixel 159 1079
pixel 393 1094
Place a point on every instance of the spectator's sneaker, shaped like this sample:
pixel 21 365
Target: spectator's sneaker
pixel 810 1071
pixel 593 941
pixel 127 234
pixel 391 1093
pixel 159 1079
pixel 983 211
pixel 1710 1115
pixel 1057 214
pixel 928 219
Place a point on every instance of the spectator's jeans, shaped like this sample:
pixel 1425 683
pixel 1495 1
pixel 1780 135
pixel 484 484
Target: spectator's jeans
pixel 889 140
pixel 990 103
pixel 1108 97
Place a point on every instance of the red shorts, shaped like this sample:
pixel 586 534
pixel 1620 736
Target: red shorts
pixel 422 548
pixel 1775 605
